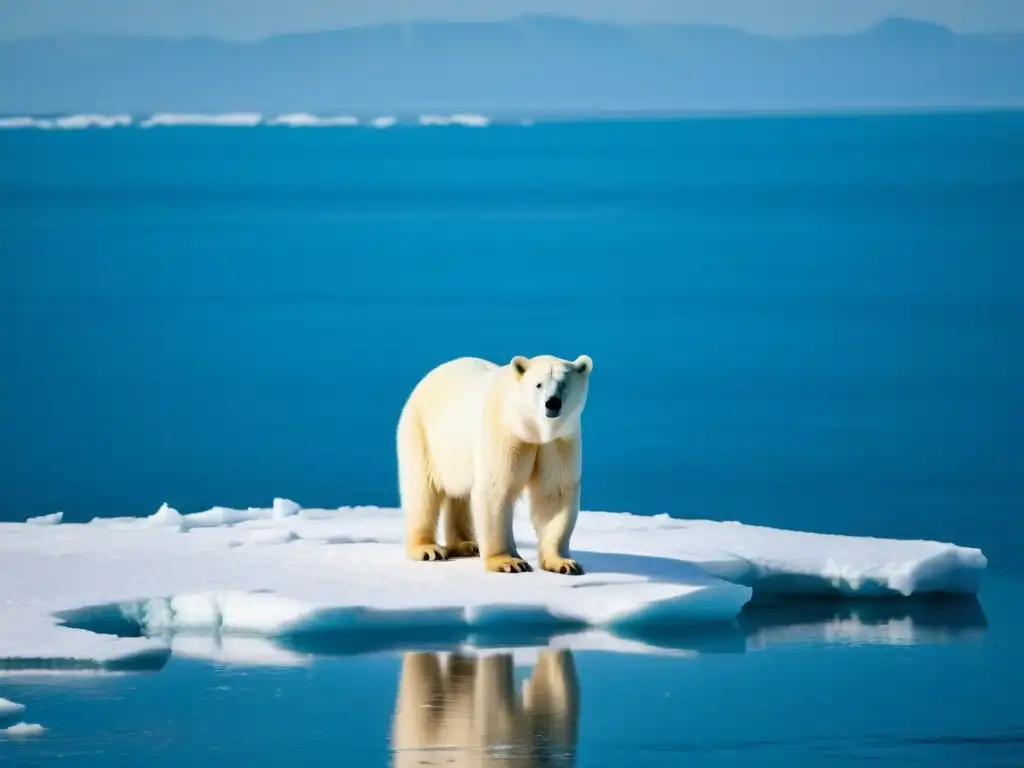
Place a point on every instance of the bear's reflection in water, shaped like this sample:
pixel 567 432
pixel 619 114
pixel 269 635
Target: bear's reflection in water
pixel 466 711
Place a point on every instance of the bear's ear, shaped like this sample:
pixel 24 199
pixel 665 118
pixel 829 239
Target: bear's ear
pixel 583 364
pixel 519 365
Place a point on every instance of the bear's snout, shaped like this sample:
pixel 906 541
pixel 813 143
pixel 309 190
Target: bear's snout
pixel 553 406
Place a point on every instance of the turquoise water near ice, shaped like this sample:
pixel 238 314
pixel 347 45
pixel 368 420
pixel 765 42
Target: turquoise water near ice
pixel 804 322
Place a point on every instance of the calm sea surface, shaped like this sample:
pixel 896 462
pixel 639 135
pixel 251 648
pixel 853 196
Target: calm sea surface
pixel 809 323
pixel 837 685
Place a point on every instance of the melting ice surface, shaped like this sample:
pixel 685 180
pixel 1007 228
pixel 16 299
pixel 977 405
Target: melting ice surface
pixel 287 572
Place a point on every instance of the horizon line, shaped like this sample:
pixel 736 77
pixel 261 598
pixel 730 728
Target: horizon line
pixel 582 20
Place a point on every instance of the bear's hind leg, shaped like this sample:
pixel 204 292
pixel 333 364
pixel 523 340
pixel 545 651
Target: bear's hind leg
pixel 458 527
pixel 421 504
pixel 420 494
pixel 421 528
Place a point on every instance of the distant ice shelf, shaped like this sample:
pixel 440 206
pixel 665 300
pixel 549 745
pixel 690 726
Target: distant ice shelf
pixel 121 593
pixel 243 120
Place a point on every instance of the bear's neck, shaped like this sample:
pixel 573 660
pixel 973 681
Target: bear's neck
pixel 528 431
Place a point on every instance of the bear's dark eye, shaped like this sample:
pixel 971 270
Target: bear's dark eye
pixel 539 385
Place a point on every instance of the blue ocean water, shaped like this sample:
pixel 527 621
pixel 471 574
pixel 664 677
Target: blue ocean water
pixel 806 322
pixel 896 687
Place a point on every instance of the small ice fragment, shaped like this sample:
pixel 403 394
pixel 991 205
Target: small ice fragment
pixel 53 519
pixel 23 729
pixel 166 516
pixel 285 508
pixel 10 708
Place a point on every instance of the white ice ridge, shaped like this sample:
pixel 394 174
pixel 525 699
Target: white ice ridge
pixel 470 121
pixel 234 120
pixel 53 519
pixel 283 571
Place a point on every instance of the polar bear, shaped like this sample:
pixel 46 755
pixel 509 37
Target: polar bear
pixel 472 437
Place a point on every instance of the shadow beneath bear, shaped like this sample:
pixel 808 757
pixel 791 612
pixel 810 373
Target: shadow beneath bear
pixel 458 710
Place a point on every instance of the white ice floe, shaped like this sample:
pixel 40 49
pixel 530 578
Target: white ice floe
pixel 20 730
pixel 291 574
pixel 10 708
pixel 53 519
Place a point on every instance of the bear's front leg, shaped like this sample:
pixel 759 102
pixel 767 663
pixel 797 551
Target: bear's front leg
pixel 458 525
pixel 492 519
pixel 554 512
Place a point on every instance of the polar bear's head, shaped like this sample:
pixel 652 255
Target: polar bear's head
pixel 551 394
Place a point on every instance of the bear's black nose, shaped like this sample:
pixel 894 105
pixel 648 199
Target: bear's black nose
pixel 553 405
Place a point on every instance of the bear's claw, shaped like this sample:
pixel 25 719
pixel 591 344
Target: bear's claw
pixel 564 566
pixel 429 552
pixel 506 564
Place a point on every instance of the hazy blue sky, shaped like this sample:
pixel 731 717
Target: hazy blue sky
pixel 248 19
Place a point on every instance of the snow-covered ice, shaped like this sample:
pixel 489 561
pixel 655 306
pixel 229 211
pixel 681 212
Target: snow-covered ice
pixel 222 583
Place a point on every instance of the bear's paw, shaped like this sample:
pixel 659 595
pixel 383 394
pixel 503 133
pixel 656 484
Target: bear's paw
pixel 507 564
pixel 464 549
pixel 428 552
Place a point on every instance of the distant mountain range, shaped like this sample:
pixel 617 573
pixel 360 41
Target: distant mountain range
pixel 533 65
